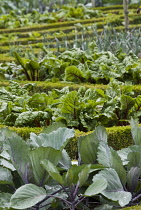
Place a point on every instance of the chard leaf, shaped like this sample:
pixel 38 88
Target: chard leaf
pixel 27 196
pixel 39 154
pixel 72 73
pixel 127 102
pixel 70 103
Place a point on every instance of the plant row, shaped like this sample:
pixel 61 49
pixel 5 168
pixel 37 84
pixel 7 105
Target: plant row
pixel 46 178
pixel 76 65
pixel 83 109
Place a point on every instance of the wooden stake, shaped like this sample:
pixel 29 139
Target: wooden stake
pixel 125 7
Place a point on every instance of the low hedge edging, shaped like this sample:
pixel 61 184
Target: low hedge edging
pixel 118 137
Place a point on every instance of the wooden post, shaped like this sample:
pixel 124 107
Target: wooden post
pixel 125 7
pixel 93 3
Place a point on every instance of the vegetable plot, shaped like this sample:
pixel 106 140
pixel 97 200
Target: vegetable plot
pixel 76 66
pixel 46 178
pixel 83 109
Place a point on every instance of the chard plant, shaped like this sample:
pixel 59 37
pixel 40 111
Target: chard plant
pixel 76 65
pixel 83 109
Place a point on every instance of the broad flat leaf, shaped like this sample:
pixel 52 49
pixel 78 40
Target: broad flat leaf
pixel 123 153
pixel 127 102
pixel 96 187
pixel 2 76
pixel 3 106
pixel 110 158
pixel 56 139
pixel 65 162
pixel 70 103
pixel 5 176
pixel 134 159
pixel 53 127
pixel 72 73
pixel 83 175
pixel 7 164
pixel 27 196
pixel 72 175
pixel 136 132
pixel 87 148
pixel 104 207
pixel 32 65
pixel 104 156
pixel 43 153
pixel 5 200
pixel 19 153
pixel 101 133
pixel 114 190
pixel 52 170
pixel 133 178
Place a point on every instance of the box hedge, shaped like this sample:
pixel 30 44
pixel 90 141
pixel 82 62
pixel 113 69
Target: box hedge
pixel 118 137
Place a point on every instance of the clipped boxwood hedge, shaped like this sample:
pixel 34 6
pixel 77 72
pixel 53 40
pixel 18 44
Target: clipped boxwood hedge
pixel 118 137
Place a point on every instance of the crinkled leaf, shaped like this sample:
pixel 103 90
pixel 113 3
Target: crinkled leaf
pixel 27 196
pixel 72 73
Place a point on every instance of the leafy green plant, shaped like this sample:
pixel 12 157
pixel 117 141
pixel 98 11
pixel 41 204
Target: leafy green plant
pixel 40 156
pixel 46 170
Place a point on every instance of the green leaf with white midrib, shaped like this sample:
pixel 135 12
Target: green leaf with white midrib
pixel 96 187
pixel 108 157
pixel 43 153
pixel 56 139
pixel 19 154
pixel 83 175
pixel 53 171
pixel 89 155
pixel 27 196
pixel 136 132
pixel 114 190
pixel 5 176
